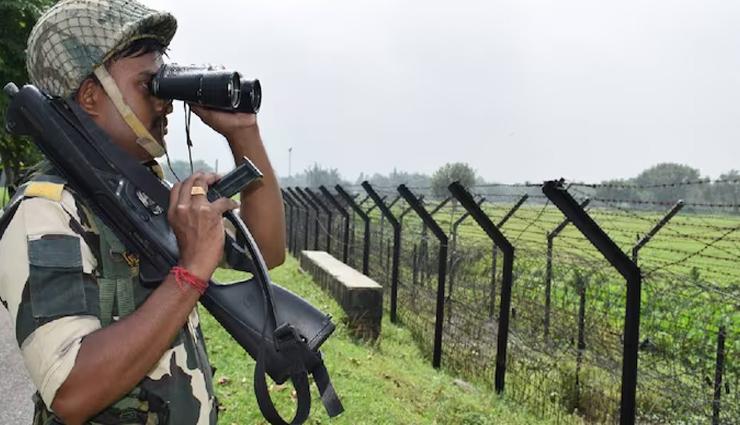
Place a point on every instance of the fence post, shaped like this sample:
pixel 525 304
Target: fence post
pixel 548 271
pixel 345 215
pixel 366 219
pixel 506 217
pixel 581 283
pixel 295 217
pixel 396 244
pixel 315 207
pixel 555 191
pixel 467 201
pixel 424 245
pixel 719 370
pixel 327 211
pixel 301 206
pixel 649 235
pixel 291 225
pixel 453 246
pixel 442 268
pixel 390 207
pixel 308 214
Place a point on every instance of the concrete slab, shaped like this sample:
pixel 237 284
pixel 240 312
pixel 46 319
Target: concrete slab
pixel 360 297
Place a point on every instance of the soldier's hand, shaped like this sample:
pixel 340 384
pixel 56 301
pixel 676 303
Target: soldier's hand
pixel 226 123
pixel 198 224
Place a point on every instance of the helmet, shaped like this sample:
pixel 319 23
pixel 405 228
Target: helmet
pixel 75 36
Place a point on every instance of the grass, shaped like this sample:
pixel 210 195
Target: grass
pixel 386 382
pixel 4 196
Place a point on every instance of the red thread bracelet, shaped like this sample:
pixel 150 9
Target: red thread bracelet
pixel 194 281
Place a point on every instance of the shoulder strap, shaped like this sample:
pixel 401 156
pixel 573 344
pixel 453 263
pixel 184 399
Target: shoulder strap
pixel 116 281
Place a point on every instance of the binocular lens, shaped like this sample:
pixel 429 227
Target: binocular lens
pixel 208 87
pixel 251 96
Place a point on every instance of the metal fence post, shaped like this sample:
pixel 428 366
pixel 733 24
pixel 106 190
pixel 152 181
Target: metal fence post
pixel 555 191
pixel 345 215
pixel 424 245
pixel 366 219
pixel 581 287
pixel 306 208
pixel 467 201
pixel 649 235
pixel 315 207
pixel 288 217
pixel 548 271
pixel 327 211
pixel 453 247
pixel 396 244
pixel 500 224
pixel 442 268
pixel 297 233
pixel 719 370
pixel 292 218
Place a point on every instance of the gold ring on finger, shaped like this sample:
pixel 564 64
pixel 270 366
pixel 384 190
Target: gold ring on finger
pixel 197 190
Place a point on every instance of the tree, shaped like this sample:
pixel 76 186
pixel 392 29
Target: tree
pixel 182 169
pixel 727 193
pixel 314 177
pixel 460 172
pixel 666 173
pixel 318 176
pixel 17 18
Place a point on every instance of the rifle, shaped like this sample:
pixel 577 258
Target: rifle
pixel 279 329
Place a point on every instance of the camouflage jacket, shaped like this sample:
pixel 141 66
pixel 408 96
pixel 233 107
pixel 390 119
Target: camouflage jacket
pixel 49 271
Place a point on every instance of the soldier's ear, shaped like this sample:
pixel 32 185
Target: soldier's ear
pixel 89 96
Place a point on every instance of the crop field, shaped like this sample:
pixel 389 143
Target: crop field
pixel 565 349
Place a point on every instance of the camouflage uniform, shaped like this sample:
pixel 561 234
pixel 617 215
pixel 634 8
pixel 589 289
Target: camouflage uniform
pixel 50 253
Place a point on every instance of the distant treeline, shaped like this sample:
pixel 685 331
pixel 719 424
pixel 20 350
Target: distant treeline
pixel 655 188
pixel 666 184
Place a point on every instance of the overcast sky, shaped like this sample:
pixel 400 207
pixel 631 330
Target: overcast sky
pixel 520 89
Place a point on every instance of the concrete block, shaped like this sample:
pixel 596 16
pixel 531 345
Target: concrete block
pixel 360 297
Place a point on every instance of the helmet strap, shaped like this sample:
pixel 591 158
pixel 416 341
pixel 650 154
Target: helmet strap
pixel 144 138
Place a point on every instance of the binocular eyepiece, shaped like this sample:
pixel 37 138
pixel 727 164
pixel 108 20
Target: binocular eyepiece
pixel 207 85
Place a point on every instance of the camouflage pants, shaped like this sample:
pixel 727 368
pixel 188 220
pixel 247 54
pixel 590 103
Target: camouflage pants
pixel 137 408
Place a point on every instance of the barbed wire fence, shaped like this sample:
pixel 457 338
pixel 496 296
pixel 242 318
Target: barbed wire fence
pixel 569 339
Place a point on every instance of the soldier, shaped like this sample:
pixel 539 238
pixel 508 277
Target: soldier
pixel 140 359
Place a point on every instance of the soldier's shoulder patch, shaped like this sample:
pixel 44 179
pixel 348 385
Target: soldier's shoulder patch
pixel 48 190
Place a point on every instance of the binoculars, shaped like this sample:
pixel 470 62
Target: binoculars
pixel 212 86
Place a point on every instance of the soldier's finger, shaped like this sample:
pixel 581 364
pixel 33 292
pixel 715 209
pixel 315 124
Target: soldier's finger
pixel 200 182
pixel 174 195
pixel 187 184
pixel 224 204
pixel 211 178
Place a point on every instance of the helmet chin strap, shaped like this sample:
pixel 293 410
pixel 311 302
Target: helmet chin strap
pixel 144 138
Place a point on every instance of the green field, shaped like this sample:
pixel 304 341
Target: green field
pixel 387 382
